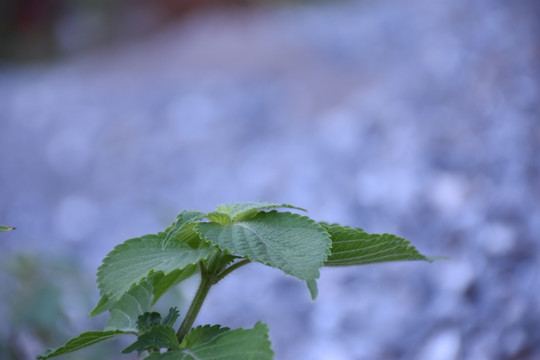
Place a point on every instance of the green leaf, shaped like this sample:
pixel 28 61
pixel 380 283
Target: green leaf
pixel 219 218
pixel 81 341
pixel 125 313
pixel 227 213
pixel 162 282
pixel 136 259
pixel 202 334
pixel 6 228
pixel 313 288
pixel 216 343
pixel 327 225
pixel 179 229
pixel 147 321
pixel 290 242
pixel 158 337
pixel 355 247
pixel 171 317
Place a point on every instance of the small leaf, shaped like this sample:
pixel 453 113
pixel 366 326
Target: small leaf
pixel 171 317
pixel 178 228
pixel 125 313
pixel 158 337
pixel 136 259
pixel 216 343
pixel 244 210
pixel 290 242
pixel 6 228
pixel 81 341
pixel 219 218
pixel 147 321
pixel 355 247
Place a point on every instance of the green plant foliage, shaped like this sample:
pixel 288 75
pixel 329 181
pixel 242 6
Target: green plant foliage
pixel 148 320
pixel 356 247
pixel 182 231
pixel 84 340
pixel 217 343
pixel 156 338
pixel 290 242
pixel 171 317
pixel 162 282
pixel 6 228
pixel 125 313
pixel 313 288
pixel 135 274
pixel 137 259
pixel 245 210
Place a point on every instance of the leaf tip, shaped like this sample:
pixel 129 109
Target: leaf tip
pixel 313 288
pixel 432 259
pixel 44 354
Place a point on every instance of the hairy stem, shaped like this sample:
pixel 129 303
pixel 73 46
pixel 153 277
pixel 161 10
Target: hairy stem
pixel 209 277
pixel 206 283
pixel 233 267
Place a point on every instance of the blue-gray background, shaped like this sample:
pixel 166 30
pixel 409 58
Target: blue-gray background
pixel 419 118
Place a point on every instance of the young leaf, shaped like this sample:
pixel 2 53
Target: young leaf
pixel 6 228
pixel 179 228
pixel 356 247
pixel 216 343
pixel 82 341
pixel 219 218
pixel 244 210
pixel 136 259
pixel 158 337
pixel 171 317
pixel 125 313
pixel 189 236
pixel 147 321
pixel 290 242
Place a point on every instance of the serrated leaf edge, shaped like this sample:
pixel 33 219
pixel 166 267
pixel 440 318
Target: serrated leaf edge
pixel 320 229
pixel 172 230
pixel 105 335
pixel 256 209
pixel 104 264
pixel 406 244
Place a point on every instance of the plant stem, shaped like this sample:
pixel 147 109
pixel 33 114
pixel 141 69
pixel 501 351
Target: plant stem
pixel 209 277
pixel 233 267
pixel 206 283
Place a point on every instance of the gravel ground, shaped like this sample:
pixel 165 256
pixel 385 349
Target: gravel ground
pixel 419 118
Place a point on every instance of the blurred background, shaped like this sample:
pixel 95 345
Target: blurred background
pixel 418 118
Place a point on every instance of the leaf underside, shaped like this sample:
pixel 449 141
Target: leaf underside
pixel 355 247
pixel 85 339
pixel 136 259
pixel 157 337
pixel 217 343
pixel 125 312
pixel 290 242
pixel 162 282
